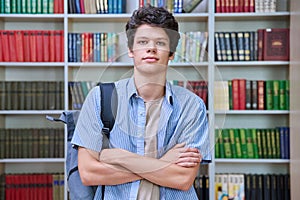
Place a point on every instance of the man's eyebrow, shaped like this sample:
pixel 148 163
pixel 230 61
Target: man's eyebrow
pixel 145 37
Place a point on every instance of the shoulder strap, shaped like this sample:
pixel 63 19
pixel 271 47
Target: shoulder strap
pixel 109 105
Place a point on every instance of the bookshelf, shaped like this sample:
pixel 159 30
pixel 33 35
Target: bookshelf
pixel 209 70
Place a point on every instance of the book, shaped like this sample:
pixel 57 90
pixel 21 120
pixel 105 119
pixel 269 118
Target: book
pixel 261 95
pixel 20 46
pixel 276 44
pixel 189 5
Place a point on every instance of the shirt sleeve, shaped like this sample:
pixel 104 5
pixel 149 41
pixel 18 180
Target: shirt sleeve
pixel 196 132
pixel 88 130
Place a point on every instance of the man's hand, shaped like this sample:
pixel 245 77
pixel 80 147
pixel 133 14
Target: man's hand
pixel 182 156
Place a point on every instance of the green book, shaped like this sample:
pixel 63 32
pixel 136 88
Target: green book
pixel 243 143
pixel 33 6
pixel 277 142
pixel 287 94
pixel 51 6
pixel 227 145
pixel 282 98
pixel 264 143
pixel 7 6
pixel 273 143
pixel 230 94
pixel 2 95
pixel 259 143
pixel 2 6
pixel 217 144
pixel 255 143
pixel 24 6
pixel 249 141
pixel 19 6
pixel 232 143
pixel 269 95
pixel 25 143
pixel 237 143
pixel 275 95
pixel 269 143
pixel 45 6
pixel 220 142
pixel 39 6
pixel 13 4
pixel 29 6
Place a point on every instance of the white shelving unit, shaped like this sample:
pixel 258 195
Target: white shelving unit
pixel 207 70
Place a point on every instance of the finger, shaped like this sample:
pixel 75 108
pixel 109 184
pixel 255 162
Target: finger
pixel 180 145
pixel 189 154
pixel 188 160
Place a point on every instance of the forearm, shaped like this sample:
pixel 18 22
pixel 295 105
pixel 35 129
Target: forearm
pixel 94 172
pixel 174 176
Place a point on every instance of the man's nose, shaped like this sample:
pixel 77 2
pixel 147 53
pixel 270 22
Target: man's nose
pixel 151 47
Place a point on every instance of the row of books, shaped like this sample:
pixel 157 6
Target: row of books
pixel 200 88
pixel 32 143
pixel 78 90
pixel 201 185
pixel 260 45
pixel 226 6
pixel 252 186
pixel 31 95
pixel 191 47
pixel 31 45
pixel 32 186
pixel 253 143
pixel 93 47
pixel 96 6
pixel 31 6
pixel 244 94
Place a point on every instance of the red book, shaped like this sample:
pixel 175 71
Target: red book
pixel 46 46
pixel 241 5
pixel 33 46
pixel 56 6
pixel 61 6
pixel 26 181
pixel 252 6
pixel 50 186
pixel 12 45
pixel 19 46
pixel 236 6
pixel 261 95
pixel 231 5
pixel 1 54
pixel 39 46
pixel 62 49
pixel 26 45
pixel 82 6
pixel 277 44
pixel 246 6
pixel 51 46
pixel 218 6
pixel 242 94
pixel 9 187
pixel 58 45
pixel 86 47
pixel 223 6
pixel 260 44
pixel 5 46
pixel 235 94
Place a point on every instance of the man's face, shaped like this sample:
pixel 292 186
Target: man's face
pixel 150 50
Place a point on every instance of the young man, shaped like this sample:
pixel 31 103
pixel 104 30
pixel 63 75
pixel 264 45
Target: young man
pixel 161 131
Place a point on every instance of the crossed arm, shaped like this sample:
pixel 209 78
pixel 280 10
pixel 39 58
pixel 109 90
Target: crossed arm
pixel 176 169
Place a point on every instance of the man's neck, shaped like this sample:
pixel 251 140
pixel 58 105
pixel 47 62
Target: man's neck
pixel 150 88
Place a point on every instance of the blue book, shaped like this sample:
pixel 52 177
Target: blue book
pixel 78 47
pixel 70 50
pixel 77 6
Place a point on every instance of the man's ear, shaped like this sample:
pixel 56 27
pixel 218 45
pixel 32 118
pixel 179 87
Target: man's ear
pixel 130 53
pixel 172 56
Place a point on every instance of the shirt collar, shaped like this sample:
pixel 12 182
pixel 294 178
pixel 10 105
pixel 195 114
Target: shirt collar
pixel 132 92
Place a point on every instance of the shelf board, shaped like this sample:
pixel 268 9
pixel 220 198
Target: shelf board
pixel 252 63
pixel 32 64
pixel 29 112
pixel 254 161
pixel 31 17
pixel 253 112
pixel 33 160
pixel 251 16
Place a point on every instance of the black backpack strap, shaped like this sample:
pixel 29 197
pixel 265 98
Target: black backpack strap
pixel 109 106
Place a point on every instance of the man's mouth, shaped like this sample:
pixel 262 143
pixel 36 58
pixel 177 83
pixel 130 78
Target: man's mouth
pixel 150 59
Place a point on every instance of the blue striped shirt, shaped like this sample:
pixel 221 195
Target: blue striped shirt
pixel 183 119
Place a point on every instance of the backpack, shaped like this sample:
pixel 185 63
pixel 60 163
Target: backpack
pixel 109 109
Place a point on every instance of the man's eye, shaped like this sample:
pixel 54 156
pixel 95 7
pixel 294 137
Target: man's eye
pixel 142 42
pixel 159 43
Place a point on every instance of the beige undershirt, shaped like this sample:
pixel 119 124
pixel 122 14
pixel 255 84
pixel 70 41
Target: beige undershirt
pixel 148 190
